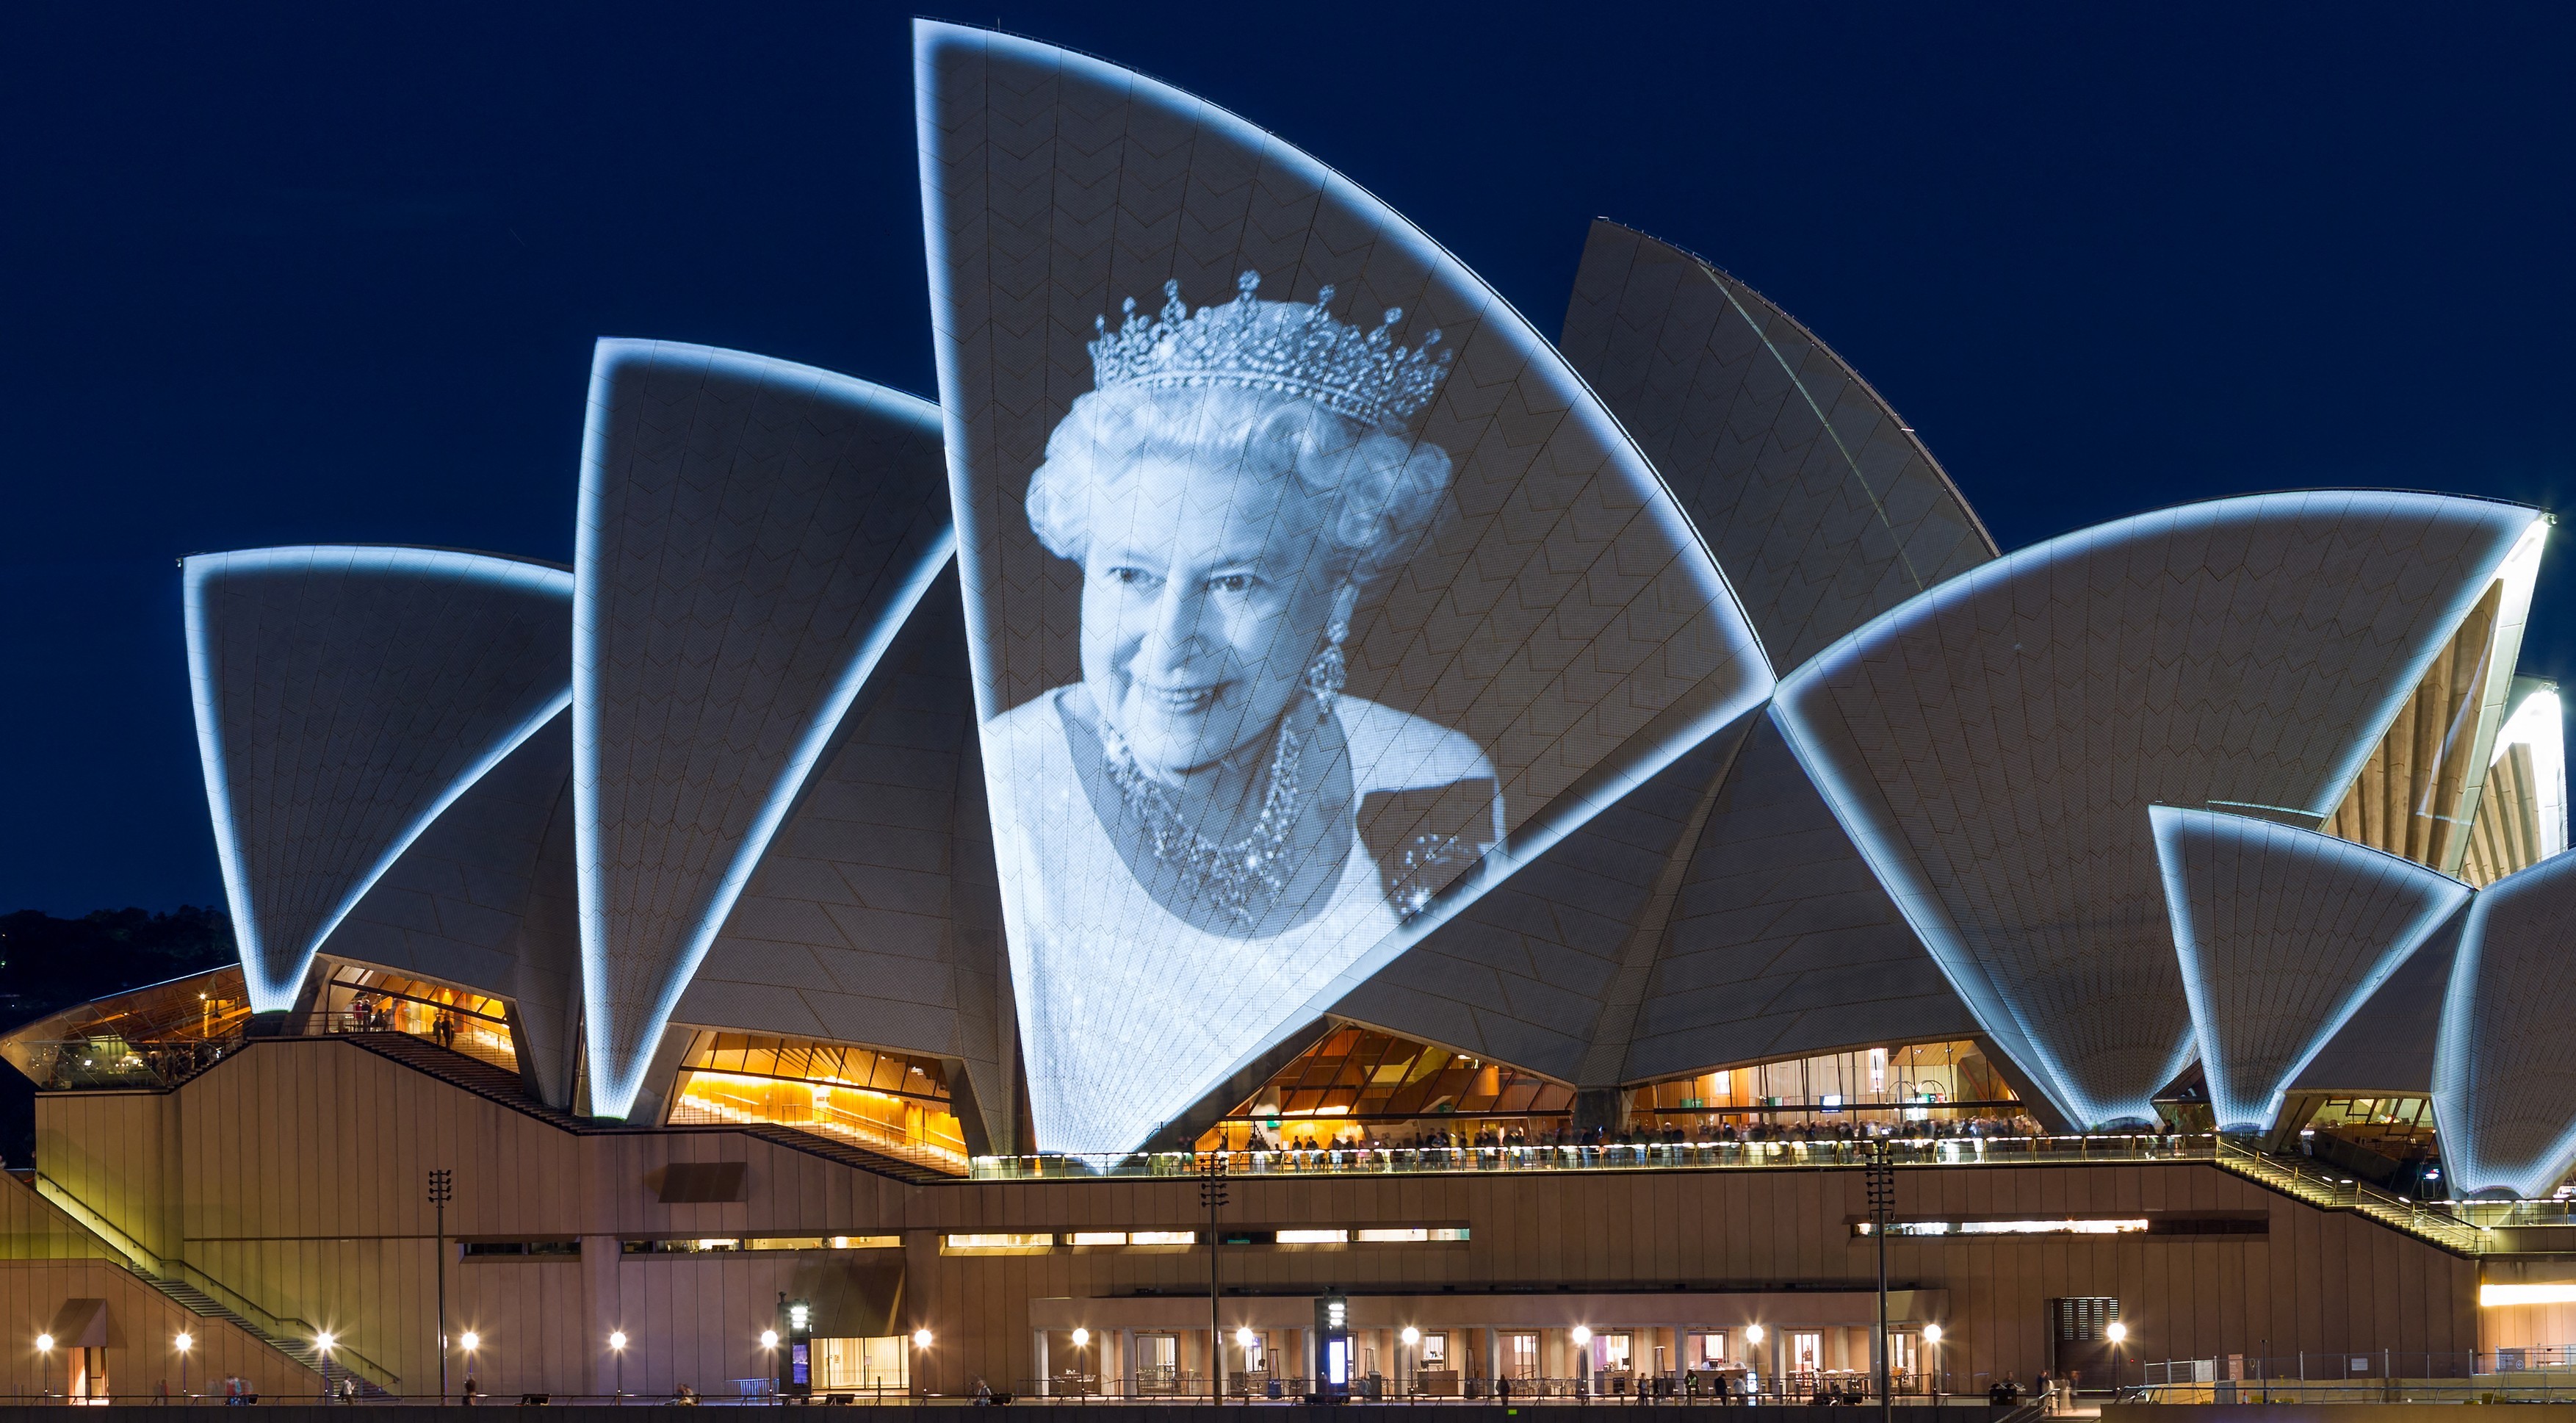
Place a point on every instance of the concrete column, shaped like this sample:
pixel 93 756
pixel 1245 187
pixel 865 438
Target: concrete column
pixel 1493 1355
pixel 1040 1373
pixel 601 1309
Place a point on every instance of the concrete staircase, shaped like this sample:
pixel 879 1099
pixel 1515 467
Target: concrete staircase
pixel 2304 1182
pixel 465 1072
pixel 301 1350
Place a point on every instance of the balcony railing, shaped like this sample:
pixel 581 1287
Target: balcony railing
pixel 1438 1386
pixel 111 1064
pixel 1642 1156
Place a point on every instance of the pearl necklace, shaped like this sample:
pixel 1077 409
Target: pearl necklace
pixel 1241 880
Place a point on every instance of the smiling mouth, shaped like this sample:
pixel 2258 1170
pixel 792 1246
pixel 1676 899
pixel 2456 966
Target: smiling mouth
pixel 1180 701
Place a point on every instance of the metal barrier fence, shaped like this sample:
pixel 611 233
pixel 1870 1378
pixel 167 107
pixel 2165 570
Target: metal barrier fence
pixel 112 1064
pixel 1378 1160
pixel 1696 1386
pixel 2375 1364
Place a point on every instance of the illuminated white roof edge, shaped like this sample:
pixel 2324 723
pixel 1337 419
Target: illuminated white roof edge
pixel 2443 898
pixel 266 995
pixel 614 1085
pixel 1893 863
pixel 1761 679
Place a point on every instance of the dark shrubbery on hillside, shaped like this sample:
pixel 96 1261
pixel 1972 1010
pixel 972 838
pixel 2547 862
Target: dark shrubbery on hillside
pixel 48 964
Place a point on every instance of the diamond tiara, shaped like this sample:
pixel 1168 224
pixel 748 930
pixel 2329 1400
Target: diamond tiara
pixel 1287 346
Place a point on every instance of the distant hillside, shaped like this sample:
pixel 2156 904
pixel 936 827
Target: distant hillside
pixel 48 964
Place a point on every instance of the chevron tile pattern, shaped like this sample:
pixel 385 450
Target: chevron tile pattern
pixel 2386 1050
pixel 1820 503
pixel 343 696
pixel 1782 944
pixel 750 532
pixel 875 917
pixel 1561 616
pixel 484 899
pixel 1993 745
pixel 1524 974
pixel 2282 934
pixel 2504 1077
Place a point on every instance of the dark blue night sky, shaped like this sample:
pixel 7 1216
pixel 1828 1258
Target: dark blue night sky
pixel 334 276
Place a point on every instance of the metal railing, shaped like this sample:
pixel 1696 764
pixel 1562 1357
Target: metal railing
pixel 2526 1375
pixel 292 1337
pixel 1379 1160
pixel 2440 1222
pixel 113 1064
pixel 476 1037
pixel 1695 1386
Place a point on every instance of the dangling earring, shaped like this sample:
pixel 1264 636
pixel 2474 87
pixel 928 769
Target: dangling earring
pixel 1324 675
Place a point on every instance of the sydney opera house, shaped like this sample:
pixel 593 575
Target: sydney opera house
pixel 1540 810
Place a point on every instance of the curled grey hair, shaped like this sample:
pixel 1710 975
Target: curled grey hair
pixel 1383 490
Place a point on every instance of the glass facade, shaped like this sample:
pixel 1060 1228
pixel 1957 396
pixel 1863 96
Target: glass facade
pixel 1356 1086
pixel 1355 1083
pixel 151 1037
pixel 881 1101
pixel 367 1000
pixel 1918 1082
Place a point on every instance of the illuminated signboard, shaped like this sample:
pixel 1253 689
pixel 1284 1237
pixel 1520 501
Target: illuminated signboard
pixel 1309 591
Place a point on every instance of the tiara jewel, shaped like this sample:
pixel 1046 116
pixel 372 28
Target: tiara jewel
pixel 1287 346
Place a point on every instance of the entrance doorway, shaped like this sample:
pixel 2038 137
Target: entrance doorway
pixel 1158 1363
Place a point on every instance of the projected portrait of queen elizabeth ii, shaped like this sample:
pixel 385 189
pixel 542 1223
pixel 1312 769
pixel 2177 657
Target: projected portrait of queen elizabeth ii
pixel 1206 828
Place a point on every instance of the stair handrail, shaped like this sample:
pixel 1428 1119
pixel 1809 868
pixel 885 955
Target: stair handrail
pixel 2408 1215
pixel 282 1328
pixel 108 1232
pixel 278 1330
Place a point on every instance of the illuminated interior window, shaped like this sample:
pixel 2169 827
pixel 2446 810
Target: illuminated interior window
pixel 1000 1241
pixel 1162 1237
pixel 1097 1237
pixel 149 1037
pixel 1915 1082
pixel 2491 1296
pixel 885 1102
pixel 1314 1237
pixel 1408 1235
pixel 1354 1083
pixel 1970 1228
pixel 362 999
pixel 864 1365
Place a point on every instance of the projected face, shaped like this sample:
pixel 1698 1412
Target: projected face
pixel 1205 598
pixel 1310 592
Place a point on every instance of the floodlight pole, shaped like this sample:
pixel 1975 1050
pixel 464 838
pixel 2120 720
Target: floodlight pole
pixel 442 1188
pixel 1881 1178
pixel 1212 1195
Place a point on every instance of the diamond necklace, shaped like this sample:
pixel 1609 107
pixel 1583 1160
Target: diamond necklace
pixel 1241 880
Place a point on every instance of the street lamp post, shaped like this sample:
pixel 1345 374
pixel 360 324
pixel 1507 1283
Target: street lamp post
pixel 617 1346
pixel 1753 1336
pixel 442 1189
pixel 182 1344
pixel 45 1349
pixel 769 1346
pixel 1582 1337
pixel 1932 1370
pixel 1412 1340
pixel 921 1347
pixel 1081 1361
pixel 1881 1181
pixel 322 1351
pixel 471 1341
pixel 2118 1334
pixel 1212 1195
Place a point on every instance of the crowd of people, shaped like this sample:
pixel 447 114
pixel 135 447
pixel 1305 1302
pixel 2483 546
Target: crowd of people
pixel 1353 1144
